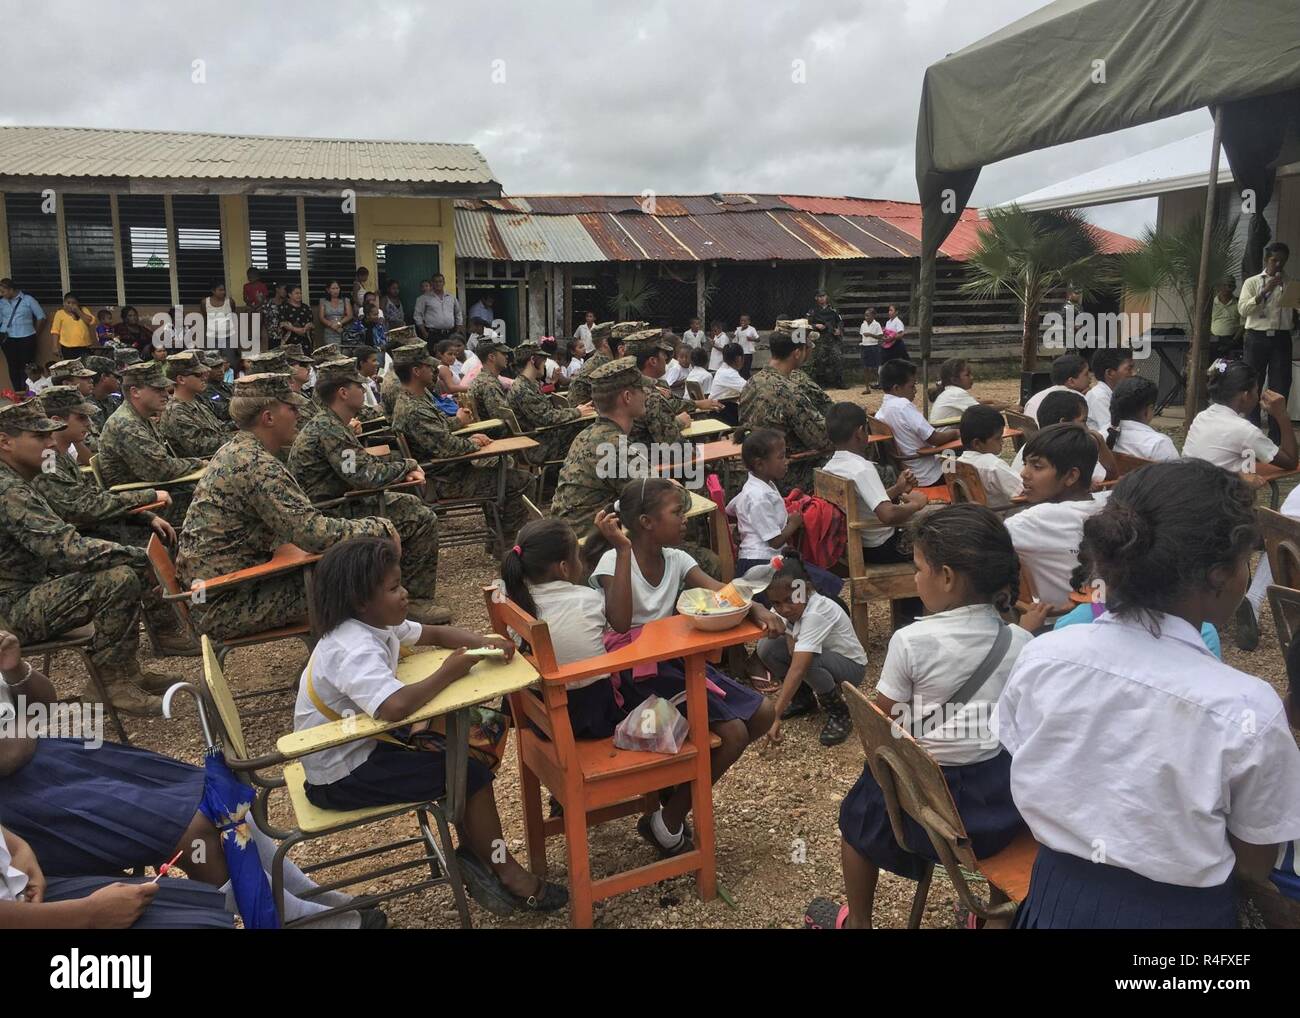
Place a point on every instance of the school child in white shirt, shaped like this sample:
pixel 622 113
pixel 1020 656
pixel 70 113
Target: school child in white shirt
pixel 38 378
pixel 1047 535
pixel 818 651
pixel 941 677
pixel 981 438
pixel 717 341
pixel 1132 407
pixel 1149 772
pixel 952 394
pixel 1223 434
pixel 695 337
pixel 1068 407
pixel 1109 367
pixel 641 575
pixel 728 382
pixel 678 366
pixel 747 336
pixel 544 574
pixel 883 509
pixel 360 612
pixel 699 373
pixel 872 332
pixel 1069 371
pixel 765 526
pixel 911 430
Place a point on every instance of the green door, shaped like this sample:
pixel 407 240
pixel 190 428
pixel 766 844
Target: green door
pixel 409 264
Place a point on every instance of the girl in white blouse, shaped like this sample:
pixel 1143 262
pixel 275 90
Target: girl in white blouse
pixel 1132 406
pixel 1148 771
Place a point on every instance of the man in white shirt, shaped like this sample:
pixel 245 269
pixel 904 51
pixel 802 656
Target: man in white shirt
pixel 1069 371
pixel 1058 466
pixel 911 430
pixel 746 335
pixel 1268 325
pixel 586 345
pixel 1109 367
pixel 872 333
pixel 695 337
pixel 437 313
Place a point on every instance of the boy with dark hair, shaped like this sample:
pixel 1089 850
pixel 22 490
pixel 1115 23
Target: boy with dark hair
pixel 1069 372
pixel 1109 367
pixel 981 439
pixel 1068 407
pixel 911 430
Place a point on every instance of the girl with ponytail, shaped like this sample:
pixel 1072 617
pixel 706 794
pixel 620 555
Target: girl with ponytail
pixel 1151 774
pixel 1132 406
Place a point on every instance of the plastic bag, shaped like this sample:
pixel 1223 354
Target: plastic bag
pixel 656 726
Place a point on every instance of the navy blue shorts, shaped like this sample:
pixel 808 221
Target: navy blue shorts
pixel 393 774
pixel 982 794
pixel 871 357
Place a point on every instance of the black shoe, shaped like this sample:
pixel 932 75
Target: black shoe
pixel 684 844
pixel 804 702
pixel 838 722
pixel 373 919
pixel 1247 627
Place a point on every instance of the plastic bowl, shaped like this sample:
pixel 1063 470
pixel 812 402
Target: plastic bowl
pixel 688 603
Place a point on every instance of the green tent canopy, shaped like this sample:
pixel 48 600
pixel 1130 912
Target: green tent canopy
pixel 1081 68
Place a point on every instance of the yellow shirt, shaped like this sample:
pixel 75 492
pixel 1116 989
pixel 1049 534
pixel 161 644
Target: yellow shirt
pixel 71 331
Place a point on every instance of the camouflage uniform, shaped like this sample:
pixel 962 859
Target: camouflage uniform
pixel 247 505
pixel 815 393
pixel 217 396
pixel 191 429
pixel 428 435
pixel 388 390
pixel 132 450
pixel 660 424
pixel 825 363
pixel 328 459
pixel 534 410
pixel 52 579
pixel 771 400
pixel 487 396
pixel 104 408
pixel 70 373
pixel 580 387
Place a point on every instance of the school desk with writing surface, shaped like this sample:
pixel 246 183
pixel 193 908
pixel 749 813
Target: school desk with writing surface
pixel 705 427
pixel 191 478
pixel 480 426
pixel 935 450
pixel 503 447
pixel 1272 475
pixel 487 682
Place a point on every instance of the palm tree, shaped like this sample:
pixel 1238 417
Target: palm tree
pixel 1168 262
pixel 634 295
pixel 1029 254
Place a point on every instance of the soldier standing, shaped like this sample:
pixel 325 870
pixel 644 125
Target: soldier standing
pixel 826 367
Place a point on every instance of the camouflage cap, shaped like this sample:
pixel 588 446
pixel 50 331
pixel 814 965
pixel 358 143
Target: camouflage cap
pixel 412 354
pixel 102 365
pixel 125 355
pixel 294 354
pixel 148 373
pixel 328 352
pixel 72 368
pixel 268 386
pixel 528 348
pixel 61 400
pixel 615 376
pixel 271 361
pixel 187 362
pixel 334 372
pixel 213 359
pixel 28 415
pixel 490 346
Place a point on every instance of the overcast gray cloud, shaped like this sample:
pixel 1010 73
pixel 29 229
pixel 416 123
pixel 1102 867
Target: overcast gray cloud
pixel 560 95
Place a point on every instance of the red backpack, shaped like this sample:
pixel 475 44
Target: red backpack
pixel 823 538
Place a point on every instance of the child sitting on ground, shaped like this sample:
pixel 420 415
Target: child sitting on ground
pixel 967 575
pixel 1047 535
pixel 981 438
pixel 360 613
pixel 817 652
pixel 641 576
pixel 761 517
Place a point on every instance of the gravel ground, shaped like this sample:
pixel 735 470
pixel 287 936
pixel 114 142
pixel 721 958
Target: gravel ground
pixel 776 815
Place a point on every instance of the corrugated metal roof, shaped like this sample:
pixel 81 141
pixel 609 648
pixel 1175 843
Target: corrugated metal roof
pixel 519 237
pixel 850 229
pixel 87 152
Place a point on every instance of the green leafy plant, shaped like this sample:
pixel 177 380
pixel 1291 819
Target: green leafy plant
pixel 634 294
pixel 1168 262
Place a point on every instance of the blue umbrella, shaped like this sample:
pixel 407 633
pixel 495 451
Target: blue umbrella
pixel 228 803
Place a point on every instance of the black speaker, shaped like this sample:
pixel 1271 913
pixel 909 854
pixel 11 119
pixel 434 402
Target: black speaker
pixel 1032 382
pixel 1175 344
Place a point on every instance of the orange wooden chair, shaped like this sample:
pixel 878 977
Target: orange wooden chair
pixel 1126 464
pixel 965 485
pixel 1026 425
pixel 592 780
pixel 913 783
pixel 1282 546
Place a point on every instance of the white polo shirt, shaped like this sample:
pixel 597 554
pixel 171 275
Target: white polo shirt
pixel 872 332
pixel 1138 439
pixel 760 515
pixel 824 627
pixel 650 602
pixel 694 338
pixel 354 670
pixel 727 383
pixel 911 432
pixel 1217 434
pixel 701 377
pixel 1001 483
pixel 746 337
pixel 1099 407
pixel 575 617
pixel 673 374
pixel 951 403
pixel 931 659
pixel 1146 751
pixel 1047 538
pixel 719 343
pixel 1036 400
pixel 871 493
pixel 583 336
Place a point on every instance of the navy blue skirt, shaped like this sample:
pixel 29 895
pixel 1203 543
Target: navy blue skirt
pixel 94 811
pixel 594 710
pixel 393 774
pixel 982 794
pixel 1069 893
pixel 178 905
pixel 824 582
pixel 740 704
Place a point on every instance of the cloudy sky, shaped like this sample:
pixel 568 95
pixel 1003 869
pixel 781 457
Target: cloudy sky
pixel 678 96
